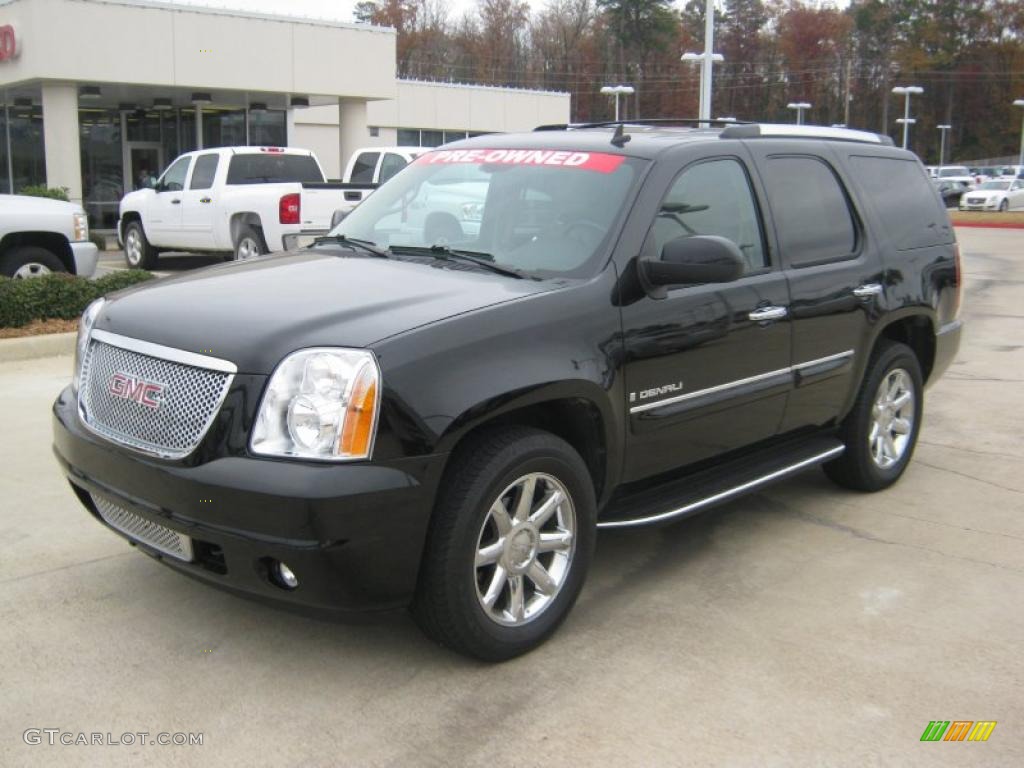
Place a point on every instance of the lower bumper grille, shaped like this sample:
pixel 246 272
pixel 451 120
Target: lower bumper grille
pixel 154 535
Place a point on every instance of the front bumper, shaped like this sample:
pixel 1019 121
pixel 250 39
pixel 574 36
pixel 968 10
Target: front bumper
pixel 85 254
pixel 353 534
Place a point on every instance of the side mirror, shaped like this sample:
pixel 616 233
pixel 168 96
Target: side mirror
pixel 692 260
pixel 337 217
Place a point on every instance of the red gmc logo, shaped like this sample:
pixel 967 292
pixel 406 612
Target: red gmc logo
pixel 8 43
pixel 147 393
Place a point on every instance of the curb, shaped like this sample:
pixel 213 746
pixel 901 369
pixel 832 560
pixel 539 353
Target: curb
pixel 33 347
pixel 988 225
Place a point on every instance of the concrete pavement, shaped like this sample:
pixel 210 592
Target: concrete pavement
pixel 801 626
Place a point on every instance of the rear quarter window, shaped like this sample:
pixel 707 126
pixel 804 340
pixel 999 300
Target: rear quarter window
pixel 904 201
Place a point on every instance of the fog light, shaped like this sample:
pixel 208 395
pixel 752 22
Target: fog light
pixel 285 577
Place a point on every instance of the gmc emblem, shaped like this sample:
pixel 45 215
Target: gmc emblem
pixel 147 393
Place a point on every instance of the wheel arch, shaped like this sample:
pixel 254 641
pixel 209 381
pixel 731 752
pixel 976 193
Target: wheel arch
pixel 245 219
pixel 54 242
pixel 916 330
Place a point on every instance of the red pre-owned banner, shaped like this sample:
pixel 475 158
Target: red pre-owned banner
pixel 586 161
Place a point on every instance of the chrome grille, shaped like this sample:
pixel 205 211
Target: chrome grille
pixel 188 401
pixel 157 536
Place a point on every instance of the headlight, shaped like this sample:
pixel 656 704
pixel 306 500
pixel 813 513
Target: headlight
pixel 81 227
pixel 85 325
pixel 321 403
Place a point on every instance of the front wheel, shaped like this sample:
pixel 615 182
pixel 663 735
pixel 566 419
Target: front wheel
pixel 138 253
pixel 881 431
pixel 29 261
pixel 509 545
pixel 1004 206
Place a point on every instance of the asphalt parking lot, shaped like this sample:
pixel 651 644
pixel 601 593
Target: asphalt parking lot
pixel 801 626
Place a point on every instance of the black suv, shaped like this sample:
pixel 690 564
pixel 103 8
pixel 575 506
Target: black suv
pixel 517 341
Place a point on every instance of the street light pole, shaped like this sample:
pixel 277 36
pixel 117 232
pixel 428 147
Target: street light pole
pixel 906 91
pixel 1020 160
pixel 616 91
pixel 799 106
pixel 707 61
pixel 942 143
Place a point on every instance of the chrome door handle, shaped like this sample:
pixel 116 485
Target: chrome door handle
pixel 205 200
pixel 765 314
pixel 175 202
pixel 868 290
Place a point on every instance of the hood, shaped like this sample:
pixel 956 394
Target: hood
pixel 254 313
pixel 26 204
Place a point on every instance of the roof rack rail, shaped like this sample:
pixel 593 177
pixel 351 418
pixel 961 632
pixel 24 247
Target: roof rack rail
pixel 770 130
pixel 640 121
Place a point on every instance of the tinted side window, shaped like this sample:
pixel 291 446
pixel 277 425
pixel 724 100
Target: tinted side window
pixel 902 197
pixel 712 198
pixel 174 177
pixel 362 168
pixel 812 213
pixel 390 165
pixel 203 173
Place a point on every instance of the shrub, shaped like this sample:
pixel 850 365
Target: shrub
pixel 41 190
pixel 57 295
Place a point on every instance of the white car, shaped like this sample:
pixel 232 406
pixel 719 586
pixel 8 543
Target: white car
pixel 245 201
pixel 39 236
pixel 996 195
pixel 956 173
pixel 368 168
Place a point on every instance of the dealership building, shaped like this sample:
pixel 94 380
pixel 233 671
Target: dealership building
pixel 99 94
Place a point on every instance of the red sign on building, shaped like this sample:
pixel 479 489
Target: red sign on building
pixel 8 43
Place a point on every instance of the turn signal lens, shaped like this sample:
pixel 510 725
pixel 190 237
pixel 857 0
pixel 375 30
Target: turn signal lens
pixel 357 434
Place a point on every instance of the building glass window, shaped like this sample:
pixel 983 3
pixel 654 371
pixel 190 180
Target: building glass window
pixel 268 128
pixel 408 137
pixel 454 136
pixel 431 138
pixel 28 158
pixel 102 165
pixel 223 128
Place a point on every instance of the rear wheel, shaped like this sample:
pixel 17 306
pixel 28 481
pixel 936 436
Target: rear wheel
pixel 29 261
pixel 881 431
pixel 138 253
pixel 249 244
pixel 509 545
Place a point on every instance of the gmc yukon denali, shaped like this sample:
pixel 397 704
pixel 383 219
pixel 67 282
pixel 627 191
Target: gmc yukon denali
pixel 643 321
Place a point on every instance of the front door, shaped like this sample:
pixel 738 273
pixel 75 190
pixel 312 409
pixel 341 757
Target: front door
pixel 707 367
pixel 163 219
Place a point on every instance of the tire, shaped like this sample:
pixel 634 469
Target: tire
pixel 29 261
pixel 1004 206
pixel 870 463
pixel 451 599
pixel 138 253
pixel 249 243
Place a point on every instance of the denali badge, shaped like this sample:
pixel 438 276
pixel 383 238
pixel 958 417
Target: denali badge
pixel 646 394
pixel 147 393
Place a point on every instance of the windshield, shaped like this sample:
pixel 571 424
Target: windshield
pixel 534 210
pixel 995 185
pixel 946 172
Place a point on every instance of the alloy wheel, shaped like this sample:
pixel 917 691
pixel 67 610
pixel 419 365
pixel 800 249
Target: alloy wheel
pixel 525 549
pixel 892 416
pixel 31 269
pixel 133 247
pixel 248 248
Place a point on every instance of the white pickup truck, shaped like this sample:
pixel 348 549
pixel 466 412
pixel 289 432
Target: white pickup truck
pixel 368 168
pixel 39 236
pixel 244 201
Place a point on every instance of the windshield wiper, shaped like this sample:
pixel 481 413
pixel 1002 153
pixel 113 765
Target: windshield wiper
pixel 354 243
pixel 479 258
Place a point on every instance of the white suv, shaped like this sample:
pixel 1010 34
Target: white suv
pixel 39 236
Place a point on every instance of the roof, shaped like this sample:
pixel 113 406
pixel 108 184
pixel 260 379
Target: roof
pixel 648 140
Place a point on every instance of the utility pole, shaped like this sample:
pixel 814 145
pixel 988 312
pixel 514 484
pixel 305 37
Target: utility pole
pixel 707 60
pixel 616 91
pixel 799 106
pixel 847 97
pixel 906 91
pixel 942 143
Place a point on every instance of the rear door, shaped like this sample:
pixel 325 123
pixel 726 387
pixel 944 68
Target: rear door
pixel 198 204
pixel 707 366
pixel 835 274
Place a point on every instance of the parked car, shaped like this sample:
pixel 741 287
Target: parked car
pixel 956 173
pixel 649 321
pixel 997 195
pixel 1010 172
pixel 951 191
pixel 39 236
pixel 368 168
pixel 244 201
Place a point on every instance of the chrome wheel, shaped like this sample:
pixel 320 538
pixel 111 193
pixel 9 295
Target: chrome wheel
pixel 247 248
pixel 31 269
pixel 525 549
pixel 133 247
pixel 892 419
